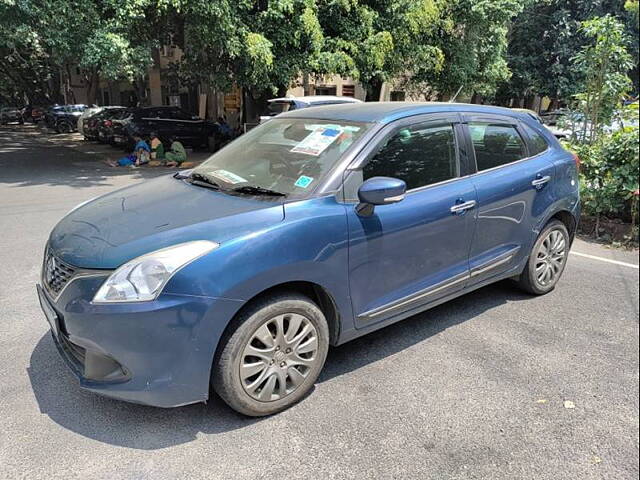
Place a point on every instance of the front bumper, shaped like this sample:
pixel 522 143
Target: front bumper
pixel 155 353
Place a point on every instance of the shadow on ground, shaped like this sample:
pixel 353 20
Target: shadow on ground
pixel 28 159
pixel 149 428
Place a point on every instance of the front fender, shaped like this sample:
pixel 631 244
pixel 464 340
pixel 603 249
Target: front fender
pixel 309 245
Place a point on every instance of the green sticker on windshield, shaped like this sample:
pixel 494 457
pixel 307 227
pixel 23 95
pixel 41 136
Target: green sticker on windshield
pixel 303 181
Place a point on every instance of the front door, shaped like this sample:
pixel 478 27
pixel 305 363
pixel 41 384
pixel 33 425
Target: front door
pixel 411 253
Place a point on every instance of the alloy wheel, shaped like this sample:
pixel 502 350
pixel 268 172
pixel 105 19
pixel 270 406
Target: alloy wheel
pixel 550 258
pixel 279 357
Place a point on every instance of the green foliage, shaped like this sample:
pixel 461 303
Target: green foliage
pixel 109 39
pixel 604 64
pixel 609 174
pixel 546 36
pixel 474 44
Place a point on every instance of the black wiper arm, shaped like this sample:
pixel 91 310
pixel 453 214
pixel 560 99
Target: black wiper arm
pixel 255 190
pixel 203 181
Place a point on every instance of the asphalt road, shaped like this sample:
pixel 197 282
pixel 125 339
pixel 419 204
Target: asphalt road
pixel 472 389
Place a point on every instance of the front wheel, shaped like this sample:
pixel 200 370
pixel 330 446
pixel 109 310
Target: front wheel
pixel 547 260
pixel 273 357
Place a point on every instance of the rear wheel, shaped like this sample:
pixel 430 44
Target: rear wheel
pixel 547 260
pixel 273 357
pixel 63 127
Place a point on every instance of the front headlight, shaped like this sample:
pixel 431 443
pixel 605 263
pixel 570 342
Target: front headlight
pixel 143 278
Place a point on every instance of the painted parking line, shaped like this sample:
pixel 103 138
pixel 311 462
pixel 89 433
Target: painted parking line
pixel 602 259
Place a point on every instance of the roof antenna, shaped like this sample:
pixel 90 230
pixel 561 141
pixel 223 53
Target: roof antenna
pixel 453 99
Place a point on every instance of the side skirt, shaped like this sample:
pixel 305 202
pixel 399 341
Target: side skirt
pixel 352 334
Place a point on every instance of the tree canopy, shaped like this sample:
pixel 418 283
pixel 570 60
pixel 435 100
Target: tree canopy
pixel 432 47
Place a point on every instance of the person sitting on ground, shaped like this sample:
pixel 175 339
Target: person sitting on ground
pixel 157 148
pixel 176 155
pixel 139 156
pixel 141 151
pixel 225 128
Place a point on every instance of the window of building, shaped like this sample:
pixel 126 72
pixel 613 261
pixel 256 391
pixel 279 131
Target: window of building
pixel 348 91
pixel 420 155
pixel 326 90
pixel 496 145
pixel 537 143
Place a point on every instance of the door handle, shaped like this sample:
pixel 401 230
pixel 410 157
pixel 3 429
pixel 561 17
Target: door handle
pixel 541 181
pixel 460 208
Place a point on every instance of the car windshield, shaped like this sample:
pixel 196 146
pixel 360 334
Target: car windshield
pixel 285 155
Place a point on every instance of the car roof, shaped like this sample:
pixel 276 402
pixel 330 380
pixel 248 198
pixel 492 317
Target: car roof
pixel 316 99
pixel 385 112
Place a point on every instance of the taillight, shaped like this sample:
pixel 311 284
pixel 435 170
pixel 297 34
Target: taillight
pixel 107 123
pixel 576 159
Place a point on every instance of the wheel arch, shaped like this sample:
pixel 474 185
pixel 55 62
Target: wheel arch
pixel 315 292
pixel 568 220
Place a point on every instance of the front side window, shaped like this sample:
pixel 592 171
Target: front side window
pixel 537 143
pixel 286 155
pixel 496 144
pixel 420 155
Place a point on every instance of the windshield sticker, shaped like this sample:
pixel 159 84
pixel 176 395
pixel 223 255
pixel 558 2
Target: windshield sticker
pixel 303 181
pixel 228 176
pixel 317 141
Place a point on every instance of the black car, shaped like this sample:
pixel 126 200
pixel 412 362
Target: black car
pixel 166 122
pixel 64 118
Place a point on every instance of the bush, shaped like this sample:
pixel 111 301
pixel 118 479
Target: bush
pixel 609 175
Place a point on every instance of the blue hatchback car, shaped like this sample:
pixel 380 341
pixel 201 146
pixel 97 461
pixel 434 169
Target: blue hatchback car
pixel 313 229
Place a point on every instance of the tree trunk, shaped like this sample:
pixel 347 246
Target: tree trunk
pixel 93 80
pixel 140 85
pixel 373 88
pixel 305 84
pixel 254 105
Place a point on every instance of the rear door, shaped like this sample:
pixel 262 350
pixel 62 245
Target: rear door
pixel 514 188
pixel 411 253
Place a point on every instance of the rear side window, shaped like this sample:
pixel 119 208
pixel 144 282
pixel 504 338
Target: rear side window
pixel 496 144
pixel 537 143
pixel 420 155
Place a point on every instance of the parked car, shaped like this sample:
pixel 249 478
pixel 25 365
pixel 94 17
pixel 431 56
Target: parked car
pixel 557 131
pixel 10 114
pixel 64 118
pixel 105 124
pixel 89 120
pixel 37 114
pixel 167 122
pixel 311 230
pixel 288 104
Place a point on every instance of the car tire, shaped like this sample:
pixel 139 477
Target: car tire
pixel 547 260
pixel 63 127
pixel 290 336
pixel 212 144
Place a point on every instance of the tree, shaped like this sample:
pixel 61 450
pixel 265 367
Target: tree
pixel 544 38
pixel 107 39
pixel 604 65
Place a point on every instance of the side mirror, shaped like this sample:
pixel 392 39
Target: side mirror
pixel 379 191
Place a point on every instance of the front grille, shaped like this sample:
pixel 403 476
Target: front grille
pixel 56 273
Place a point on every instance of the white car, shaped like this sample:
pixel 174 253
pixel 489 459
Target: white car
pixel 287 104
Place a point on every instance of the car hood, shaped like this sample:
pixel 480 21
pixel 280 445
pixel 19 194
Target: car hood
pixel 108 231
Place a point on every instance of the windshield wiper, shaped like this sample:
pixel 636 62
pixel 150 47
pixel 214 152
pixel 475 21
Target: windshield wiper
pixel 255 190
pixel 203 181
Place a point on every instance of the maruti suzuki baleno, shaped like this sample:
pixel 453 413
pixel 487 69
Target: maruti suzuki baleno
pixel 313 229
